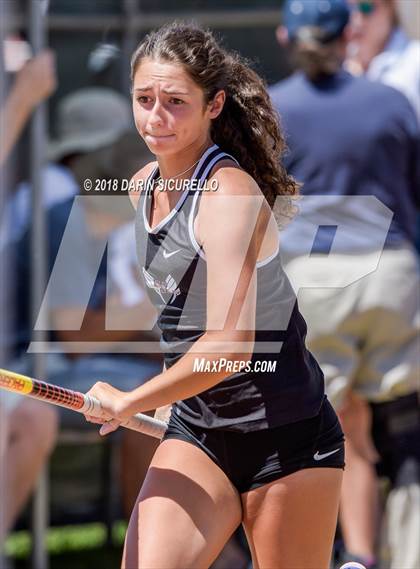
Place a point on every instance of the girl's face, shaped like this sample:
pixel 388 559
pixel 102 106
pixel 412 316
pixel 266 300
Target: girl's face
pixel 169 109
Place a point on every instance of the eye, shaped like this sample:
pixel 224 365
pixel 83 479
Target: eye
pixel 176 101
pixel 143 99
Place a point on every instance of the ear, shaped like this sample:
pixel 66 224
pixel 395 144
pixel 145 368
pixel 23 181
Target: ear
pixel 282 35
pixel 216 105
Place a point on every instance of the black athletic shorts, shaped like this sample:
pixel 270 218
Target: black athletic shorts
pixel 252 459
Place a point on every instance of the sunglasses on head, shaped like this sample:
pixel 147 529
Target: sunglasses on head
pixel 365 7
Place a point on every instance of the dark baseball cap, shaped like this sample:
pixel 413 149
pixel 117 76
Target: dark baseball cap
pixel 323 20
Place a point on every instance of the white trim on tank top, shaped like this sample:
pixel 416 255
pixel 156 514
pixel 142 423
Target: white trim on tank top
pixel 181 200
pixel 195 198
pixel 194 242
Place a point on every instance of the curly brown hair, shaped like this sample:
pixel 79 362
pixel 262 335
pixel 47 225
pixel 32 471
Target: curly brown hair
pixel 248 126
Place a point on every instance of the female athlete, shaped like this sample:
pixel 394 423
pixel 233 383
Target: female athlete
pixel 251 438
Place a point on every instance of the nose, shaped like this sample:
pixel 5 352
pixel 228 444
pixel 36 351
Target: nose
pixel 156 119
pixel 356 21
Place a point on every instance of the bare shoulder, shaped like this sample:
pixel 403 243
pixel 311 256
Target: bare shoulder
pixel 232 180
pixel 139 176
pixel 226 180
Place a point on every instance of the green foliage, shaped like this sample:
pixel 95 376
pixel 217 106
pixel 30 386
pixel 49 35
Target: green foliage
pixel 81 546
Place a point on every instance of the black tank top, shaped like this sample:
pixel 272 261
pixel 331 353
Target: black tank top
pixel 173 270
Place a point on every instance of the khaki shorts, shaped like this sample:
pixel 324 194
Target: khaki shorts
pixel 364 335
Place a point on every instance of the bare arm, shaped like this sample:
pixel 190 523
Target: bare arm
pixel 231 246
pixel 34 83
pixel 163 413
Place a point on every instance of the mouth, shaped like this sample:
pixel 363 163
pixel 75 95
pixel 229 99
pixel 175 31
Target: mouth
pixel 159 136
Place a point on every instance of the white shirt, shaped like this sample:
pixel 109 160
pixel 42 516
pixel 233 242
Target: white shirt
pixel 398 65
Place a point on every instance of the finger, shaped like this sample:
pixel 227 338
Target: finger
pixel 109 427
pixel 93 419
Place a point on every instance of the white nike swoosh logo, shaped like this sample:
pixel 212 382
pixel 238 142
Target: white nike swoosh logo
pixel 318 456
pixel 167 255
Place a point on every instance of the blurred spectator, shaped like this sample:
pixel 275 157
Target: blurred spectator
pixel 350 138
pixel 27 437
pixel 28 428
pixel 82 126
pixel 33 84
pixel 16 216
pixel 93 295
pixel 380 47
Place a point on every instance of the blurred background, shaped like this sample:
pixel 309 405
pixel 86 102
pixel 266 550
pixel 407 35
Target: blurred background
pixel 65 493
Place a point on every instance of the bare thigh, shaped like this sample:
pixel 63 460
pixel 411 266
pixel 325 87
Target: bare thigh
pixel 186 511
pixel 290 523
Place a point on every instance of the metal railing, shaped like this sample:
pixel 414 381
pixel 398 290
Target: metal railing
pixel 140 22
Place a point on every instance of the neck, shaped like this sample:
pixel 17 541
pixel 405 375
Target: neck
pixel 171 166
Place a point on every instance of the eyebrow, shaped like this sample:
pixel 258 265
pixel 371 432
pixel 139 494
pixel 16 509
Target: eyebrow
pixel 167 91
